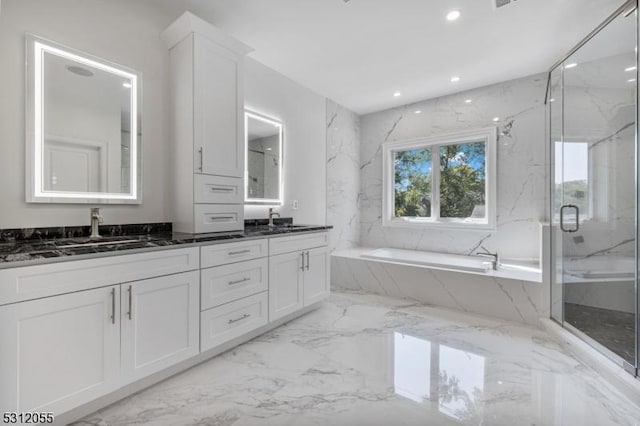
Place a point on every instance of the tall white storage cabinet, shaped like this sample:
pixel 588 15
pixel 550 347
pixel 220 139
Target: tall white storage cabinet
pixel 208 126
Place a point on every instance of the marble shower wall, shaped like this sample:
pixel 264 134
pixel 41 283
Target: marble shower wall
pixel 521 166
pixel 343 176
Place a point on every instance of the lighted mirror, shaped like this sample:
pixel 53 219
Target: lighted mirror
pixel 83 127
pixel 263 165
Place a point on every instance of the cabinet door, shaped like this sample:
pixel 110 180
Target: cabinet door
pixel 60 352
pixel 160 323
pixel 285 284
pixel 218 110
pixel 316 275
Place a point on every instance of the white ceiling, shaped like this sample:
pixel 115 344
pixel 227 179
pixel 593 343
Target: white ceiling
pixel 358 53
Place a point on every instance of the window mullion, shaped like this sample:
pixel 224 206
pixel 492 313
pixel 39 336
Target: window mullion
pixel 435 182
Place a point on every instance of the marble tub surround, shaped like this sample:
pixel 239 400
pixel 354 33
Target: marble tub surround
pixel 373 360
pixel 343 176
pixel 494 293
pixel 519 107
pixel 37 251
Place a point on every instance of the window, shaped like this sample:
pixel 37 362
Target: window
pixel 573 183
pixel 446 181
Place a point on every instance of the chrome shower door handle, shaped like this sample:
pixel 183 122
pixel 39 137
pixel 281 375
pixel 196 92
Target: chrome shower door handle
pixel 577 223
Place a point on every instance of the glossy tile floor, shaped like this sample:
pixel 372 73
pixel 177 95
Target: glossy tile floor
pixel 371 360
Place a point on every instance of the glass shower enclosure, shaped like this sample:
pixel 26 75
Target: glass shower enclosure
pixel 592 106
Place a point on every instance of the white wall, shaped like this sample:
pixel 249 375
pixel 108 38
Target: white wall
pixel 303 114
pixel 121 31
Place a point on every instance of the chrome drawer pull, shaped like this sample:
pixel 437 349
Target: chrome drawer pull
pixel 239 281
pixel 220 218
pixel 245 316
pixel 214 189
pixel 231 253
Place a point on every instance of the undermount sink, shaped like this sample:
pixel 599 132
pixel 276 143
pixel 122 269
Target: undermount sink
pixel 99 243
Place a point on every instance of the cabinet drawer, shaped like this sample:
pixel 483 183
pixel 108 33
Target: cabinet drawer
pixel 221 254
pixel 218 217
pixel 218 189
pixel 31 282
pixel 227 283
pixel 281 245
pixel 226 322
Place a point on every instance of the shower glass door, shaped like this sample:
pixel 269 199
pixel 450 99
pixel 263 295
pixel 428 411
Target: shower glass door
pixel 593 143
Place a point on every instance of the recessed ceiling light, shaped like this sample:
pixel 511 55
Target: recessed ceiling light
pixel 631 69
pixel 468 101
pixel 77 70
pixel 631 80
pixel 396 94
pixel 127 85
pixel 552 100
pixel 418 111
pixel 453 15
pixel 269 149
pixel 455 79
pixel 571 65
pixel 496 119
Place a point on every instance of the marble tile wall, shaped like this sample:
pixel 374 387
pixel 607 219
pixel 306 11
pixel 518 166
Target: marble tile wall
pixel 521 166
pixel 343 176
pixel 509 299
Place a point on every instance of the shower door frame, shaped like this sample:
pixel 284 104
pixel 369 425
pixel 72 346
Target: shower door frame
pixel 627 7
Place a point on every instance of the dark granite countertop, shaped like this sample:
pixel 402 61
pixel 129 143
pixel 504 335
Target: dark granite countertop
pixel 49 245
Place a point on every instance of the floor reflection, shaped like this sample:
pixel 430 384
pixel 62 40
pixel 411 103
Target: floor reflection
pixel 431 372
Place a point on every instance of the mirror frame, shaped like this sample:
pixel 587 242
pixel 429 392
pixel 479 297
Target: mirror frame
pixel 263 201
pixel 36 47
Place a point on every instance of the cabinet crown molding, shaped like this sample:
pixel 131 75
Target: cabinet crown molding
pixel 189 23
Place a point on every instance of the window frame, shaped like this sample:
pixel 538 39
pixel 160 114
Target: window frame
pixel 487 135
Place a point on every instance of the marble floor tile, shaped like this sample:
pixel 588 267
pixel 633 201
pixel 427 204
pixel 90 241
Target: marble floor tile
pixel 371 360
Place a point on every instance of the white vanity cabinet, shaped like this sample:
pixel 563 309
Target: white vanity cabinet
pixel 234 285
pixel 298 273
pixel 59 351
pixel 207 82
pixel 159 323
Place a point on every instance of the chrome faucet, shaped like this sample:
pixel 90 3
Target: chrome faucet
pixel 271 215
pixel 495 256
pixel 96 220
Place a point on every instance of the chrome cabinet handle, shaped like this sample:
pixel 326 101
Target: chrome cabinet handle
pixel 219 189
pixel 569 206
pixel 201 152
pixel 220 218
pixel 239 252
pixel 245 316
pixel 244 280
pixel 302 256
pixel 113 306
pixel 130 313
pixel 307 260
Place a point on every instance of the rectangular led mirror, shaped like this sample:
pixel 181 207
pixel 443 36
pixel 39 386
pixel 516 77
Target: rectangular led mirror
pixel 263 163
pixel 83 127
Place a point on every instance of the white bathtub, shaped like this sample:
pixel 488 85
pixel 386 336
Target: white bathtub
pixel 601 267
pixel 426 258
